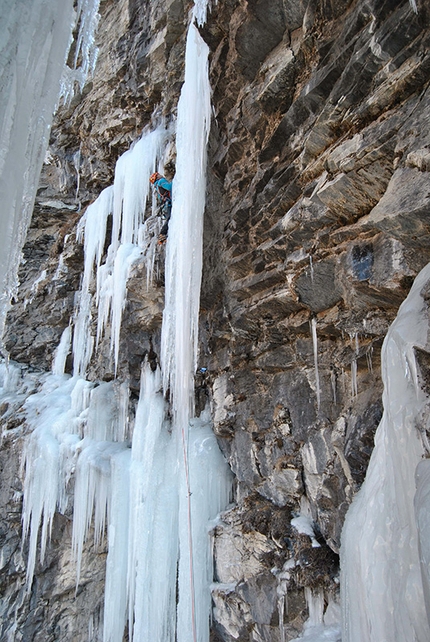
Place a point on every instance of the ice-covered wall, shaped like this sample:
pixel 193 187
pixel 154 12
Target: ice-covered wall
pixel 155 484
pixel 316 223
pixel 382 585
pixel 35 38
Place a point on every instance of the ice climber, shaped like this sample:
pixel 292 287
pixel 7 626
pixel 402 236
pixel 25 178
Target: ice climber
pixel 163 192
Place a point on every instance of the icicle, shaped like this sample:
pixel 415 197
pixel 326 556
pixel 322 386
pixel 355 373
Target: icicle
pixel 311 265
pixel 153 547
pixel 132 186
pixel 354 389
pixel 303 521
pixel 210 483
pixel 315 346
pixel 126 257
pixel 283 578
pixel 200 10
pixel 61 353
pixel 61 268
pixel 320 626
pixel 93 227
pixel 315 602
pixel 116 563
pixel 184 248
pixel 180 318
pixel 157 545
pixel 381 583
pixel 333 380
pixel 369 355
pixel 126 201
pixel 77 166
pixel 93 490
pixel 45 461
pixel 86 52
pixel 65 410
pixel 413 5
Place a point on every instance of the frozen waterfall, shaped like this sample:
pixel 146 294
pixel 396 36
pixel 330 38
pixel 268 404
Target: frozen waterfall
pixel 382 581
pixel 154 485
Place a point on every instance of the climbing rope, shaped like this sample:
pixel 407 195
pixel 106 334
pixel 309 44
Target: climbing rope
pixel 190 535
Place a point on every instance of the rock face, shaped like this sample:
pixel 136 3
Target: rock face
pixel 317 222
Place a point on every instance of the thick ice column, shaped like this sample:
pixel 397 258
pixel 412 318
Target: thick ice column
pixel 34 39
pixel 179 346
pixel 422 513
pixel 381 583
pixel 184 247
pixel 153 544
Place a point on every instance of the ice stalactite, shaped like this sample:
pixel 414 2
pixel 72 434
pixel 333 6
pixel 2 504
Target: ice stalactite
pixel 132 238
pixel 354 388
pixel 315 349
pixel 85 56
pixel 62 352
pixel 323 622
pixel 382 586
pixel 151 567
pixel 202 494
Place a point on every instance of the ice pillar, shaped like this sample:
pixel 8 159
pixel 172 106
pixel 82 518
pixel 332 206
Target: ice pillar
pixel 381 587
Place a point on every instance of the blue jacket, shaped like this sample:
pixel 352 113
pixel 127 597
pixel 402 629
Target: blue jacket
pixel 162 186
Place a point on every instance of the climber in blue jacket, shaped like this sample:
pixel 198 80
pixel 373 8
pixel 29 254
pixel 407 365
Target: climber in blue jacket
pixel 163 192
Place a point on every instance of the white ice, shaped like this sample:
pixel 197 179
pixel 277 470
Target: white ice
pixel 153 543
pixel 75 77
pixel 180 322
pixel 303 524
pixel 125 202
pixel 184 248
pixel 34 38
pixel 315 349
pixel 158 499
pixel 62 352
pixel 382 589
pixel 323 625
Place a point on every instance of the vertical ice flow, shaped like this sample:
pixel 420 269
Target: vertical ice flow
pixel 315 348
pixel 184 249
pixel 153 544
pixel 125 201
pixel 61 353
pixel 33 44
pixel 180 318
pixel 354 388
pixel 381 578
pixel 157 499
pixel 86 52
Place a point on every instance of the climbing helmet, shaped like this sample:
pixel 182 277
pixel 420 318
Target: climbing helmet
pixel 155 176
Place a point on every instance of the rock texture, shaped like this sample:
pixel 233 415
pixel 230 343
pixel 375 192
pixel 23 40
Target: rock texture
pixel 317 222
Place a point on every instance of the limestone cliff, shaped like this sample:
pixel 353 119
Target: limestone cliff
pixel 317 222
